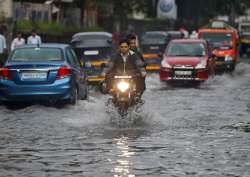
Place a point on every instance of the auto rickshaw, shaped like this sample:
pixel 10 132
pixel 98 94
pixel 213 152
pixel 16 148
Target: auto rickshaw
pixel 223 41
pixel 153 44
pixel 94 50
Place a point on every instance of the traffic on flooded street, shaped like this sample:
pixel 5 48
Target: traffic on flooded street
pixel 97 88
pixel 179 132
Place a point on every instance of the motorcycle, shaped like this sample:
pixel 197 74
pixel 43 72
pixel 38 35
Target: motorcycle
pixel 124 92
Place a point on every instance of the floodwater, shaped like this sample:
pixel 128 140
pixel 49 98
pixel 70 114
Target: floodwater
pixel 180 131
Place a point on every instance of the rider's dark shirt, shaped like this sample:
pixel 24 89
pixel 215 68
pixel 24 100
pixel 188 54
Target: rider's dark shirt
pixel 119 66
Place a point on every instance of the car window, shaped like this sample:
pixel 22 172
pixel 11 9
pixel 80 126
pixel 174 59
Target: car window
pixel 76 61
pixel 70 57
pixel 37 54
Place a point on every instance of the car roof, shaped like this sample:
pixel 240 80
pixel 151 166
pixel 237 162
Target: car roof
pixel 174 32
pixel 45 45
pixel 155 32
pixel 189 40
pixel 92 34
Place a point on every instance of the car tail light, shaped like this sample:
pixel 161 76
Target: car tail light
pixel 63 72
pixel 5 74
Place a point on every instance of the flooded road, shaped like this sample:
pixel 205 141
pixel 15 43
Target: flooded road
pixel 192 132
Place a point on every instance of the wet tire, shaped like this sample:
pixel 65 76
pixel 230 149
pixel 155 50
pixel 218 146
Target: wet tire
pixel 103 87
pixel 86 96
pixel 74 96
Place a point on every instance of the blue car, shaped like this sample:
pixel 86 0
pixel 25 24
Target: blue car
pixel 46 72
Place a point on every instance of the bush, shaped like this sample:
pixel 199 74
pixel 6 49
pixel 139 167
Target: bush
pixel 50 28
pixel 24 25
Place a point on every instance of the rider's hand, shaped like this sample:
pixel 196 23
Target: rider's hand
pixel 103 74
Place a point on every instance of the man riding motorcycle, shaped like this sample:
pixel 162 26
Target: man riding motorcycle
pixel 126 61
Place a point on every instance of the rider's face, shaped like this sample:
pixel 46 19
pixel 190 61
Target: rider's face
pixel 133 44
pixel 124 48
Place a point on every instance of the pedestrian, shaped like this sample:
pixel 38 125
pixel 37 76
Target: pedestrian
pixel 3 48
pixel 34 38
pixel 19 40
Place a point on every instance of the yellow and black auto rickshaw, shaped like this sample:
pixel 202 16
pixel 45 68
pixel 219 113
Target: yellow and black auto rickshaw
pixel 153 45
pixel 93 49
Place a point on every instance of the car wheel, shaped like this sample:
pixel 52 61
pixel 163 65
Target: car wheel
pixel 74 96
pixel 86 96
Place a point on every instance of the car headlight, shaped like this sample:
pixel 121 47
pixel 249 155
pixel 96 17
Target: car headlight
pixel 201 65
pixel 228 58
pixel 165 64
pixel 123 86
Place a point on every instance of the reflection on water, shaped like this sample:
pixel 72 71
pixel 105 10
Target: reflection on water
pixel 122 165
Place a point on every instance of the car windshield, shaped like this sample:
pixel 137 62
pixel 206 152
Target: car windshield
pixel 154 39
pixel 186 49
pixel 217 39
pixel 37 54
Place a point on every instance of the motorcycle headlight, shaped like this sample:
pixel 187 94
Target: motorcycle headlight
pixel 201 65
pixel 123 86
pixel 228 58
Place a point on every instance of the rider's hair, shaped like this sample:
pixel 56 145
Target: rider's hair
pixel 124 41
pixel 133 37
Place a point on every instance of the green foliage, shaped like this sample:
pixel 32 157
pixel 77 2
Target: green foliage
pixel 2 16
pixel 51 28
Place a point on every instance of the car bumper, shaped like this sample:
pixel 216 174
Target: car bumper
pixel 198 75
pixel 59 90
pixel 224 65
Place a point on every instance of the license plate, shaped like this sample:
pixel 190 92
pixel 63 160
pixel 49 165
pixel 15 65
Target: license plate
pixel 183 73
pixel 33 75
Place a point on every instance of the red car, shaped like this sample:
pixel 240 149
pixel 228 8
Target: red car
pixel 187 60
